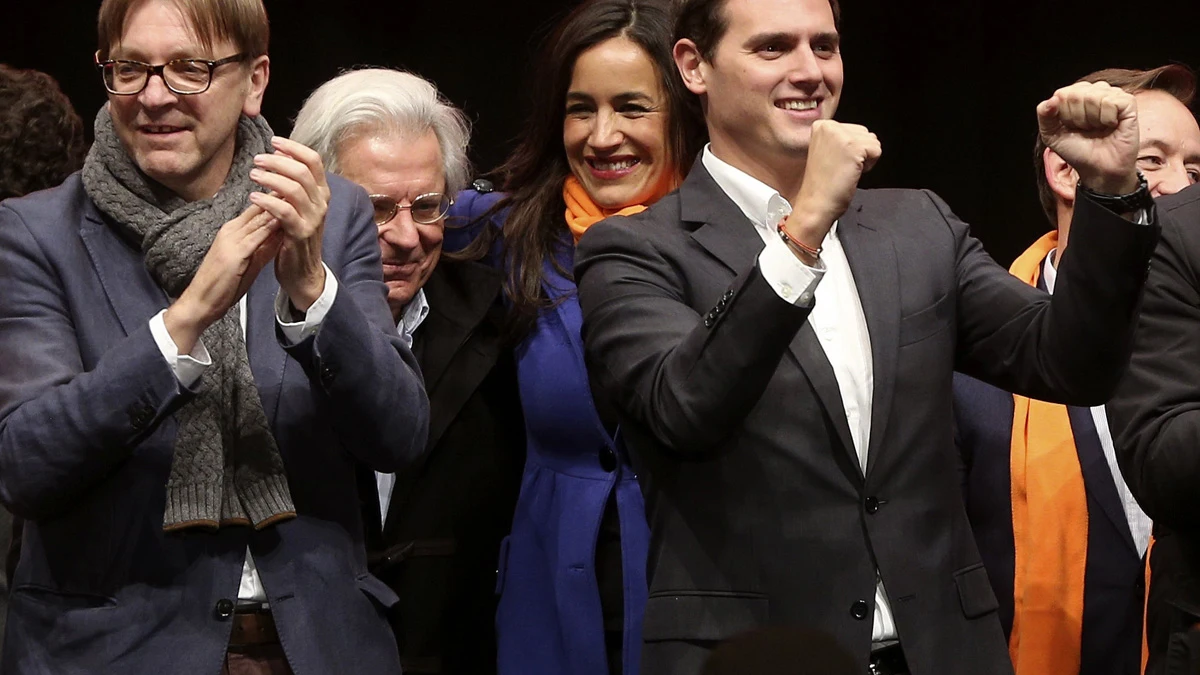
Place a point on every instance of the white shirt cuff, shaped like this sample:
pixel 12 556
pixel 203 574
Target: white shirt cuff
pixel 187 367
pixel 792 280
pixel 298 331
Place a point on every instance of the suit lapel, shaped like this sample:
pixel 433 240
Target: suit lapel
pixel 268 361
pixel 718 224
pixel 459 296
pixel 872 259
pixel 807 349
pixel 730 237
pixel 132 292
pixel 1097 477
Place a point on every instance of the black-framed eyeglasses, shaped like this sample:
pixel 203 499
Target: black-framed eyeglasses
pixel 182 76
pixel 427 208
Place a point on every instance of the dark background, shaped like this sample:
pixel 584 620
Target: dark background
pixel 950 86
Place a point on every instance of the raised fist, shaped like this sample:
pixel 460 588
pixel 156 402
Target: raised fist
pixel 838 155
pixel 1094 128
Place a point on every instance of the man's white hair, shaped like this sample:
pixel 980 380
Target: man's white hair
pixel 380 101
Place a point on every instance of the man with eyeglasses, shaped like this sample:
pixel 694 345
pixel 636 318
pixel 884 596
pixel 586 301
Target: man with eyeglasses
pixel 434 532
pixel 198 360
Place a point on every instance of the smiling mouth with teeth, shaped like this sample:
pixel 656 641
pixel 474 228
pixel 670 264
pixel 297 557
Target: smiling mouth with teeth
pixel 798 105
pixel 600 165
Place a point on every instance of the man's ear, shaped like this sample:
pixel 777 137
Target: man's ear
pixel 260 72
pixel 692 66
pixel 1061 177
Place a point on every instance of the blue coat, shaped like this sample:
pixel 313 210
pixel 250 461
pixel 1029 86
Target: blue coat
pixel 87 431
pixel 549 621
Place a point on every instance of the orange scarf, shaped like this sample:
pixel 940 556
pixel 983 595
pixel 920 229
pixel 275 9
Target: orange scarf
pixel 583 213
pixel 1146 609
pixel 1050 523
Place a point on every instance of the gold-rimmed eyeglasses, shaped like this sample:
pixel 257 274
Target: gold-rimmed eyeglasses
pixel 427 208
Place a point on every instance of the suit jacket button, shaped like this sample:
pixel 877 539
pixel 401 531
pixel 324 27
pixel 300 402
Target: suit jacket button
pixel 140 416
pixel 728 295
pixel 224 608
pixel 872 504
pixel 708 322
pixel 860 609
pixel 608 459
pixel 327 375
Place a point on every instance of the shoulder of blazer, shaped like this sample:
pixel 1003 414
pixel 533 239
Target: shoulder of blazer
pixel 57 208
pixel 889 201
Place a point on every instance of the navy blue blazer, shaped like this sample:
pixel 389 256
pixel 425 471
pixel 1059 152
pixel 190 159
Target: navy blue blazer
pixel 87 432
pixel 1114 579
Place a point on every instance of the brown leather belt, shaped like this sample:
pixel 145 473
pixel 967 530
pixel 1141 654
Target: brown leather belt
pixel 253 626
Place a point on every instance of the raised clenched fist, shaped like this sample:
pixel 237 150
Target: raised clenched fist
pixel 838 155
pixel 1094 128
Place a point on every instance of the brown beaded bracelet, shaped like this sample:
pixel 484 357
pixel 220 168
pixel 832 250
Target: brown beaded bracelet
pixel 797 244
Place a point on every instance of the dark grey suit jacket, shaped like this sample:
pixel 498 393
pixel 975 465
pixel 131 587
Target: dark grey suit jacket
pixel 87 431
pixel 759 511
pixel 1155 419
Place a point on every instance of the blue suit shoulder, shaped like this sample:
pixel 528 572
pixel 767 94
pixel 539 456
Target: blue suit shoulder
pixel 58 206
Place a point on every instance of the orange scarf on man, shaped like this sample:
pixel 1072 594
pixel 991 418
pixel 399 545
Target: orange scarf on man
pixel 1050 523
pixel 583 213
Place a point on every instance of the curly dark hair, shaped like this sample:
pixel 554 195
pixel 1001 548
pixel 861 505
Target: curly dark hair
pixel 41 136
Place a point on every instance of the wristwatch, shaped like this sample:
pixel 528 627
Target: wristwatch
pixel 1138 200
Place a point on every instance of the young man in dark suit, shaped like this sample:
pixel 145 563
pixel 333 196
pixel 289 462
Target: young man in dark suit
pixel 198 359
pixel 1060 533
pixel 1154 418
pixel 433 529
pixel 781 352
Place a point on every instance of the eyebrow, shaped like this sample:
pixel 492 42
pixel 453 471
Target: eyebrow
pixel 120 52
pixel 1163 146
pixel 623 96
pixel 783 36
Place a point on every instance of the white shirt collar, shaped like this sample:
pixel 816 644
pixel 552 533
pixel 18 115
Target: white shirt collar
pixel 414 313
pixel 761 203
pixel 1049 273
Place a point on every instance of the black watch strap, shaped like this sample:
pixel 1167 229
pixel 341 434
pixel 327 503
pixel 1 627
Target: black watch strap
pixel 1138 200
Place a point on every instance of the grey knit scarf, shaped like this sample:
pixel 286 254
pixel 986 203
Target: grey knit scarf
pixel 226 469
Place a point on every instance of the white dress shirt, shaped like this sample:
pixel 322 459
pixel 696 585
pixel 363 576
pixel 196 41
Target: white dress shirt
pixel 414 313
pixel 189 367
pixel 837 317
pixel 1139 523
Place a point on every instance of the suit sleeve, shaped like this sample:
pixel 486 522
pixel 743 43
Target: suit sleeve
pixel 368 378
pixel 63 430
pixel 1156 412
pixel 690 379
pixel 1071 348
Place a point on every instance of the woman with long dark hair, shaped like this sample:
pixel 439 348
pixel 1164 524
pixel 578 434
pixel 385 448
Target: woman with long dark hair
pixel 612 130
